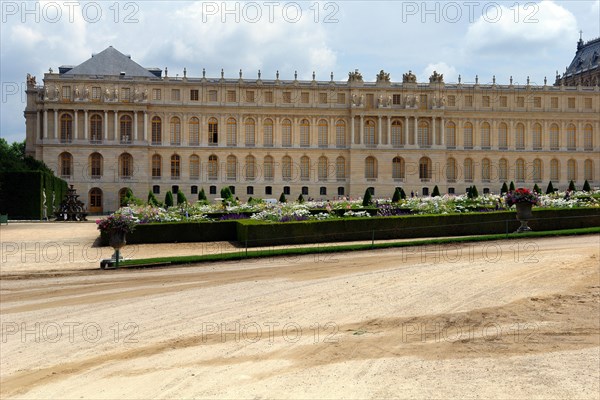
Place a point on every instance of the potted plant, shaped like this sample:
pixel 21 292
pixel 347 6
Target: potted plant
pixel 523 199
pixel 116 227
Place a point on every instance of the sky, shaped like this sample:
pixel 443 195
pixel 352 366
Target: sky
pixel 467 38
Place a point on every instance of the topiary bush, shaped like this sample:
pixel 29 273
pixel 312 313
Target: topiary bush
pixel 181 198
pixel 511 187
pixel 550 188
pixel 282 198
pixel 202 195
pixel 537 189
pixel 504 189
pixel 168 199
pixel 397 196
pixel 226 193
pixel 367 199
pixel 436 192
pixel 572 187
pixel 300 199
pixel 152 200
pixel 586 186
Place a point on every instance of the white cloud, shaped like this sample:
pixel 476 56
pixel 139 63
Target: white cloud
pixel 450 73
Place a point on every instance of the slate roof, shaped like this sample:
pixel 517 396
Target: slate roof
pixel 587 57
pixel 110 62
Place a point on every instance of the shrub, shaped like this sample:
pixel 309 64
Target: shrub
pixel 586 186
pixel 550 188
pixel 202 195
pixel 152 200
pixel 436 192
pixel 282 198
pixel 169 199
pixel 511 187
pixel 226 193
pixel 367 199
pixel 572 187
pixel 537 189
pixel 181 198
pixel 397 196
pixel 504 189
pixel 473 193
pixel 402 194
pixel 301 198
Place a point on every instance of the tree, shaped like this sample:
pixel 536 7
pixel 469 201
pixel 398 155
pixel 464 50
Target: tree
pixel 550 188
pixel 226 193
pixel 202 195
pixel 436 192
pixel 402 194
pixel 397 196
pixel 586 186
pixel 128 198
pixel 300 198
pixel 181 198
pixel 474 193
pixel 511 186
pixel 169 199
pixel 367 199
pixel 504 189
pixel 537 189
pixel 152 200
pixel 282 198
pixel 572 187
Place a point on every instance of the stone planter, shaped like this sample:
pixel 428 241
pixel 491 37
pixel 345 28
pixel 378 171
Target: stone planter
pixel 524 215
pixel 117 240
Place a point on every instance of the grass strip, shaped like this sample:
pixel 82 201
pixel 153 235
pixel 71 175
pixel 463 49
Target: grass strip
pixel 243 253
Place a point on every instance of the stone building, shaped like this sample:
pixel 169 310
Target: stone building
pixel 584 70
pixel 109 124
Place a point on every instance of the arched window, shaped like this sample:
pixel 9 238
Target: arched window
pixel 588 138
pixel 304 133
pixel 304 168
pixel 340 134
pixel 213 132
pixel 286 168
pixel 424 134
pixel 520 170
pixel 65 160
pixel 486 138
pixel 286 133
pixel 194 167
pixel 125 165
pixel 175 166
pixel 194 128
pixel 371 167
pixel 323 167
pixel 554 170
pixel 520 136
pixel 268 132
pixel 397 134
pixel 468 170
pixel 451 170
pixel 96 128
pixel 231 132
pixel 398 168
pixel 213 167
pixel 450 135
pixel 503 169
pixel 66 128
pixel 502 136
pixel 156 131
pixel 340 168
pixel 425 168
pixel 486 172
pixel 588 170
pixel 231 168
pixel 537 137
pixel 250 168
pixel 571 137
pixel 468 135
pixel 156 166
pixel 369 132
pixel 268 168
pixel 250 128
pixel 554 137
pixel 126 131
pixel 323 133
pixel 537 170
pixel 96 165
pixel 572 170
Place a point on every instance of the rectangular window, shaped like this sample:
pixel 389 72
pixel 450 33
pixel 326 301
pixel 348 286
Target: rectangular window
pixel 571 102
pixel 468 101
pixel 503 101
pixel 156 95
pixel 125 94
pixel 212 95
pixel 397 99
pixel 66 92
pixel 485 101
pixel 341 98
pixel 249 96
pixel 268 97
pixel 554 102
pixel 287 97
pixel 587 103
pixel 537 102
pixel 96 93
pixel 194 94
pixel 322 98
pixel 520 101
pixel 452 101
pixel 231 97
pixel 304 97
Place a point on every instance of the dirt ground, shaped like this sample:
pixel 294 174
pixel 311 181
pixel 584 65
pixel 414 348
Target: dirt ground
pixel 507 319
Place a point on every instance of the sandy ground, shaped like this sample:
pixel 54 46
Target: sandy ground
pixel 516 319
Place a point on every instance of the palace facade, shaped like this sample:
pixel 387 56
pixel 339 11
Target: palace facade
pixel 109 124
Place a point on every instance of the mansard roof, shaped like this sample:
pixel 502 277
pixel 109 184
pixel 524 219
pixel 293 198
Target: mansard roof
pixel 587 57
pixel 109 62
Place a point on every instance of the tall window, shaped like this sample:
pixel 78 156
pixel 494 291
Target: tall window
pixel 451 170
pixel 95 165
pixel 397 134
pixel 156 166
pixel 250 168
pixel 304 168
pixel 340 168
pixel 126 133
pixel 537 170
pixel 588 138
pixel 503 169
pixel 194 128
pixel 554 137
pixel 520 137
pixel 125 165
pixel 156 130
pixel 398 168
pixel 66 128
pixel 468 135
pixel 468 170
pixel 286 133
pixel 588 170
pixel 213 167
pixel 286 168
pixel 194 167
pixel 268 132
pixel 572 170
pixel 231 168
pixel 369 133
pixel 213 132
pixel 537 136
pixel 65 160
pixel 370 168
pixel 175 130
pixel 323 133
pixel 96 128
pixel 554 170
pixel 502 136
pixel 340 134
pixel 520 170
pixel 304 133
pixel 250 133
pixel 486 172
pixel 451 135
pixel 571 137
pixel 175 166
pixel 424 135
pixel 268 170
pixel 486 140
pixel 425 168
pixel 323 166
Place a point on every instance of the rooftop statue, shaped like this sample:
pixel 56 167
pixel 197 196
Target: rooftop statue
pixel 409 77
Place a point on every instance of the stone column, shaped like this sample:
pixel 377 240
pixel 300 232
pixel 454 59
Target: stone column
pixel 389 130
pixel 415 131
pixel 378 130
pixel 352 133
pixel 406 130
pixel 145 128
pixel 55 124
pixel 105 125
pixel 442 132
pixel 116 127
pixel 75 125
pixel 361 130
pixel 85 125
pixel 434 140
pixel 45 127
pixel 135 126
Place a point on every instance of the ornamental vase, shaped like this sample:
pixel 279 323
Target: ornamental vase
pixel 524 215
pixel 116 239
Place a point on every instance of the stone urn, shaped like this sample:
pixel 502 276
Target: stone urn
pixel 117 240
pixel 524 215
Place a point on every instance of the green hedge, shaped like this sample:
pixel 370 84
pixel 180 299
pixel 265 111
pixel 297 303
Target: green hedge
pixel 21 194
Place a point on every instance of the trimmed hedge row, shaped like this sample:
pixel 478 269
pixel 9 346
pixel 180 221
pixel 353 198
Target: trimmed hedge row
pixel 21 194
pixel 258 233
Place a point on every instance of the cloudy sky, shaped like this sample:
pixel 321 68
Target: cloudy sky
pixel 466 38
